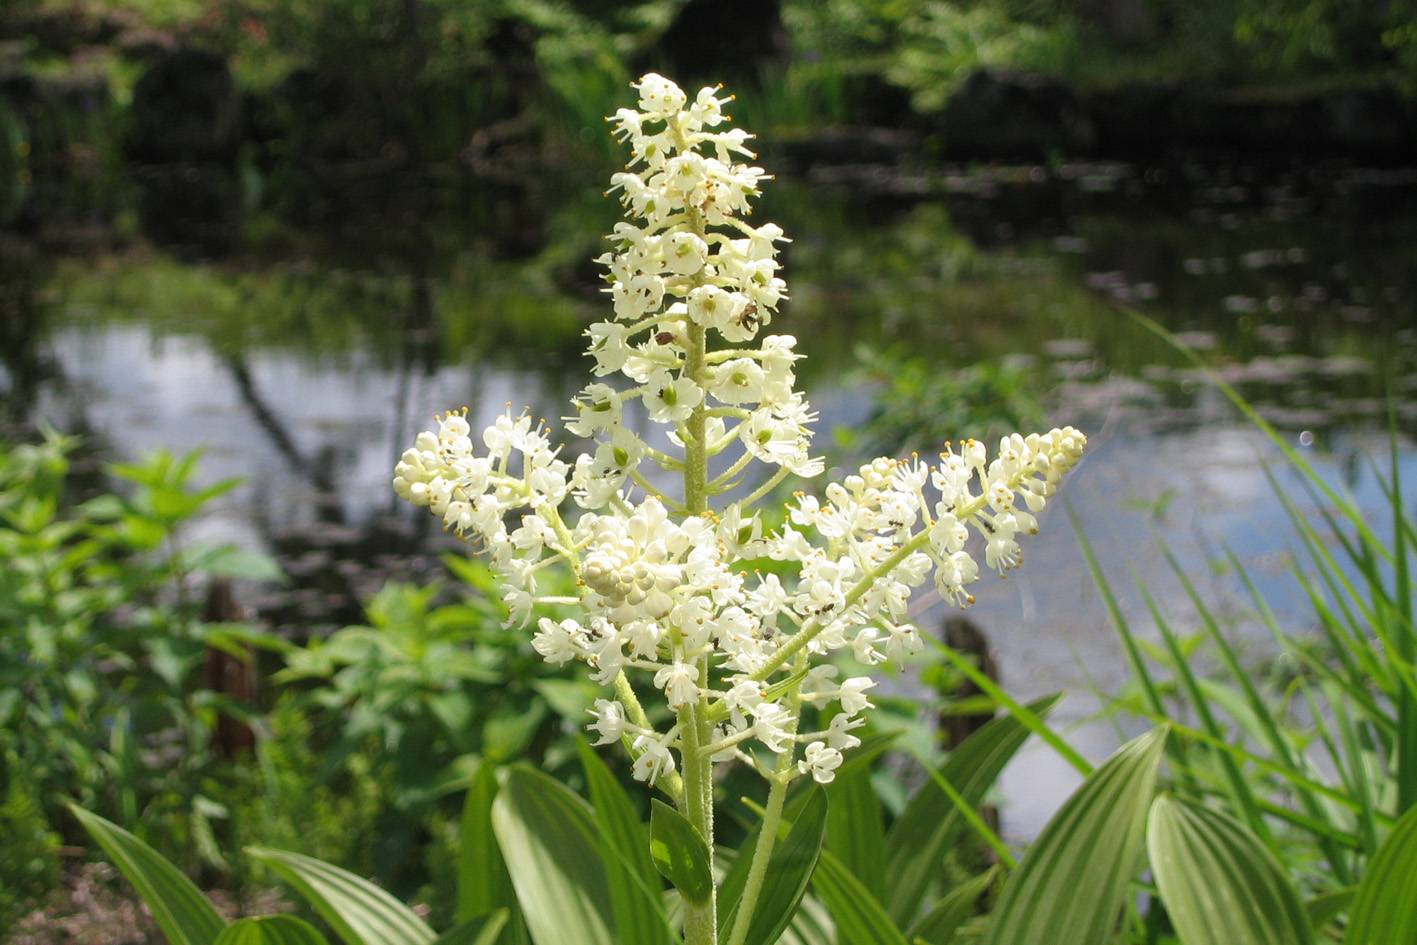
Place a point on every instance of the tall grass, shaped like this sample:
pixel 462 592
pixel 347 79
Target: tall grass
pixel 1320 760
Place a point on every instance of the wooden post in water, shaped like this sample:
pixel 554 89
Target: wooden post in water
pixel 961 635
pixel 228 674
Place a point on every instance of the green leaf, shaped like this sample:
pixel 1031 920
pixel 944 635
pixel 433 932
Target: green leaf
pixel 856 830
pixel 937 927
pixel 789 871
pixel 860 919
pixel 359 912
pixel 483 884
pixel 1325 907
pixel 237 563
pixel 680 853
pixel 270 930
pixel 181 911
pixel 1071 886
pixel 482 930
pixel 927 829
pixel 635 887
pixel 1220 884
pixel 1384 910
pixel 551 846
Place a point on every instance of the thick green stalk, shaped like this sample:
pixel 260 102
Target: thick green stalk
pixel 700 922
pixel 762 851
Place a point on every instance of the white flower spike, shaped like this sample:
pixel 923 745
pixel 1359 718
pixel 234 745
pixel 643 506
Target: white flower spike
pixel 667 594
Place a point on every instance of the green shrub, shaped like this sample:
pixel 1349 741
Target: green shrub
pixel 102 644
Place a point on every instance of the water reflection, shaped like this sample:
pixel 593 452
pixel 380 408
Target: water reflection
pixel 308 375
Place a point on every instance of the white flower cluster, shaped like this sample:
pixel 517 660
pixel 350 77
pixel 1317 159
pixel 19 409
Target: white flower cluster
pixel 662 579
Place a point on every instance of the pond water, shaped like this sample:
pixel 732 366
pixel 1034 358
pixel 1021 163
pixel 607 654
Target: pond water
pixel 307 371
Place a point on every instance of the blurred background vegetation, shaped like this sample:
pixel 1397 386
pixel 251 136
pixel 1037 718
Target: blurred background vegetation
pixel 291 230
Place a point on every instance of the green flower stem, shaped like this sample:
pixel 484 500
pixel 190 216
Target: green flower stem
pixel 767 839
pixel 816 625
pixel 700 921
pixel 772 482
pixel 669 782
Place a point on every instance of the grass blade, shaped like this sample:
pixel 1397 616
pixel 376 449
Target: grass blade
pixel 860 918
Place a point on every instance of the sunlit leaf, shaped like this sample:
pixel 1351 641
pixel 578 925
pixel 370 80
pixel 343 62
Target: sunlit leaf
pixel 358 911
pixel 680 853
pixel 635 887
pixel 550 843
pixel 270 930
pixel 1220 884
pixel 1070 887
pixel 181 911
pixel 1384 910
pixel 483 884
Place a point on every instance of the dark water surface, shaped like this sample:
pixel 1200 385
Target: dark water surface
pixel 306 358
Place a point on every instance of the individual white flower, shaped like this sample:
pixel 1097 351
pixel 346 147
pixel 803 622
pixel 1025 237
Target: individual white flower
pixel 671 399
pixel 773 726
pixel 952 573
pixel 659 96
pixel 598 407
pixel 678 682
pixel 740 381
pixel 821 762
pixel 902 640
pixel 557 642
pixel 610 721
pixel 685 253
pixel 839 731
pixel 652 758
pixel 853 694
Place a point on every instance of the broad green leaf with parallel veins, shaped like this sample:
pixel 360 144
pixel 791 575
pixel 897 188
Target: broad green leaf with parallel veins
pixel 482 930
pixel 181 911
pixel 1384 911
pixel 860 918
pixel 1220 884
pixel 483 883
pixel 1070 887
pixel 270 930
pixel 359 912
pixel 929 827
pixel 937 927
pixel 635 886
pixel 788 873
pixel 551 846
